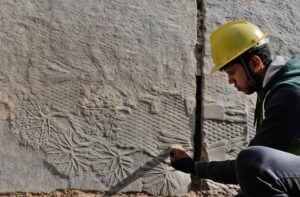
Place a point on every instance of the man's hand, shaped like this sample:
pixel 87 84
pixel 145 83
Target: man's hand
pixel 181 161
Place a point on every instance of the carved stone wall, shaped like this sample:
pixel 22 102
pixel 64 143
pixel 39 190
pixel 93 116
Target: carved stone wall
pixel 93 91
pixel 228 124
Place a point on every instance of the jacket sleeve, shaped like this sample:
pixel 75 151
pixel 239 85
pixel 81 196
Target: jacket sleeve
pixel 281 125
pixel 219 171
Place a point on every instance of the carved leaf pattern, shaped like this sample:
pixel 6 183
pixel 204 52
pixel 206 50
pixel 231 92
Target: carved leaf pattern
pixel 113 164
pixel 90 142
pixel 68 154
pixel 35 122
pixel 158 175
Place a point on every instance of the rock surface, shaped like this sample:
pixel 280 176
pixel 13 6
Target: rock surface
pixel 81 193
pixel 93 91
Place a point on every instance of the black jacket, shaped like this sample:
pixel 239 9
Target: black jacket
pixel 278 126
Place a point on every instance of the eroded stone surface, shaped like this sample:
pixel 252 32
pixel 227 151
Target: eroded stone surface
pixel 91 90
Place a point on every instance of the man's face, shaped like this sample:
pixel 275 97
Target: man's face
pixel 237 76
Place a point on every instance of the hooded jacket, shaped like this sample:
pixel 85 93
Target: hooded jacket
pixel 277 119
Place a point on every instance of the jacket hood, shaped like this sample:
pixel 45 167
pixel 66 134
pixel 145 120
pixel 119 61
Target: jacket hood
pixel 281 69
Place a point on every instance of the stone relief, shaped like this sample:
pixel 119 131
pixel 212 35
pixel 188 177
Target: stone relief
pixel 35 123
pixel 156 129
pixel 228 123
pixel 111 163
pixel 103 131
pixel 96 89
pixel 159 176
pixel 68 154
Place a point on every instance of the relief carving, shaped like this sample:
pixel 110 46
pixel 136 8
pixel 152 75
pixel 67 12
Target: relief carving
pixel 161 177
pixel 111 163
pixel 104 134
pixel 68 154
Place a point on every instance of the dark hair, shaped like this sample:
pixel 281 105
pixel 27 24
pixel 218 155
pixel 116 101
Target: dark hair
pixel 262 51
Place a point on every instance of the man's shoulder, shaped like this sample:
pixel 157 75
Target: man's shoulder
pixel 295 60
pixel 286 92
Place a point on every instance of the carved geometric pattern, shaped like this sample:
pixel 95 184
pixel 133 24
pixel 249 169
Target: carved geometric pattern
pixel 86 74
pixel 237 129
pixel 147 131
pixel 62 96
pixel 173 138
pixel 100 133
pixel 234 134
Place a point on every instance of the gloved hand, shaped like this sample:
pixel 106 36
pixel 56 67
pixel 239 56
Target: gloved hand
pixel 181 161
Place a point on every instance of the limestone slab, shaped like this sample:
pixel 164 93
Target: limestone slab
pixel 90 91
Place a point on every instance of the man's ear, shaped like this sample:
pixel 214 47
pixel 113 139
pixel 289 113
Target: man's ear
pixel 255 64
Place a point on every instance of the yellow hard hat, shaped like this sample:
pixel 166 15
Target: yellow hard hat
pixel 231 40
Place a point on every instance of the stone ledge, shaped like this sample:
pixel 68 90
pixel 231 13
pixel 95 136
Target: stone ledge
pixel 220 192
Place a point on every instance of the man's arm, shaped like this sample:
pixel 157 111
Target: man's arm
pixel 220 171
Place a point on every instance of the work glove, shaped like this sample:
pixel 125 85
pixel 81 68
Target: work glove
pixel 181 161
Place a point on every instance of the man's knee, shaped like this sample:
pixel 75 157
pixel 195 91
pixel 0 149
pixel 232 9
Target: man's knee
pixel 251 161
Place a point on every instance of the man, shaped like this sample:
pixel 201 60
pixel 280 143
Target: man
pixel 270 166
